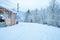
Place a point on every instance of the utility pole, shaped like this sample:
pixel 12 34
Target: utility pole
pixel 17 12
pixel 17 7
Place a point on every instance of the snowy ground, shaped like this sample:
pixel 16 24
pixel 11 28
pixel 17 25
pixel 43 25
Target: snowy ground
pixel 30 31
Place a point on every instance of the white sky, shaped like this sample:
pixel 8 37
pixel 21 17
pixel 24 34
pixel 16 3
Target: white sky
pixel 26 4
pixel 32 4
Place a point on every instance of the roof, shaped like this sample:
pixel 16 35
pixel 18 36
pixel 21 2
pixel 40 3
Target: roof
pixel 7 9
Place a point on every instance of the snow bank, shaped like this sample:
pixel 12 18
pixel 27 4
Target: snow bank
pixel 30 31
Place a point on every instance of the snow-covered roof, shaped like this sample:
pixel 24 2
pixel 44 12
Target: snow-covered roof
pixel 1 7
pixel 8 5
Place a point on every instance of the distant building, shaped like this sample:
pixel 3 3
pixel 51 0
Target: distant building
pixel 7 16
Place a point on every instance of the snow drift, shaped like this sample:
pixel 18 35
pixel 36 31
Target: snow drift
pixel 30 31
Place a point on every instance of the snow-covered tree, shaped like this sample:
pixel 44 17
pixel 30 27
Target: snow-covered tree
pixel 27 16
pixel 50 15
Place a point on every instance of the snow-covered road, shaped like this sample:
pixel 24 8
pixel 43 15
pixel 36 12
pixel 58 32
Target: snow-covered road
pixel 30 31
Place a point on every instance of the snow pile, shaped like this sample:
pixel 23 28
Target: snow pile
pixel 30 31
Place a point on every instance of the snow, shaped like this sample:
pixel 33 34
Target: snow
pixel 30 31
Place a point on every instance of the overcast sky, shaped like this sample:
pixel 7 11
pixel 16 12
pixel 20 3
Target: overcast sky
pixel 32 4
pixel 25 4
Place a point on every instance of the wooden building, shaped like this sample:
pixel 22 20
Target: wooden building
pixel 9 16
